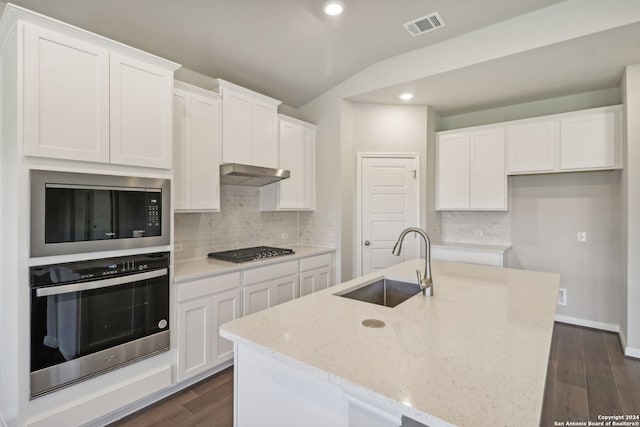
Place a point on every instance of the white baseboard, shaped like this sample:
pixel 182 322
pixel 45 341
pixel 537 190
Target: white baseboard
pixel 628 351
pixel 588 323
pixel 156 397
pixel 632 352
pixel 623 340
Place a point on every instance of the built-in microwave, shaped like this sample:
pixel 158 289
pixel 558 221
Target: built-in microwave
pixel 76 213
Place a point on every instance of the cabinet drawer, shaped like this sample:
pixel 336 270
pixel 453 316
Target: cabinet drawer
pixel 270 272
pixel 315 262
pixel 208 286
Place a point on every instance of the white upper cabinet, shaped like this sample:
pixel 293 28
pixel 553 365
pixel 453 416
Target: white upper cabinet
pixel 487 176
pixel 588 140
pixel 237 129
pixel 576 141
pixel 531 146
pixel 140 113
pixel 297 155
pixel 91 99
pixel 66 97
pixel 452 177
pixel 470 170
pixel 196 149
pixel 265 134
pixel 249 126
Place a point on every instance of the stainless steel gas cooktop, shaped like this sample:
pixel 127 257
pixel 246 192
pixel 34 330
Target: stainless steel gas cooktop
pixel 250 254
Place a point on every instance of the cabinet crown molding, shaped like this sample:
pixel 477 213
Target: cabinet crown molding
pixel 13 14
pixel 218 85
pixel 295 121
pixel 177 84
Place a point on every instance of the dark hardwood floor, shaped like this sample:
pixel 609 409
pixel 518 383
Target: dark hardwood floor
pixel 207 403
pixel 588 376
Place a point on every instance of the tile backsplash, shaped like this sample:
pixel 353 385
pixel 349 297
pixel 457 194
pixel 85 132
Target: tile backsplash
pixel 240 223
pixel 476 227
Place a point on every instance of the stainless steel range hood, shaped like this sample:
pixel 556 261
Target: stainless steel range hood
pixel 254 176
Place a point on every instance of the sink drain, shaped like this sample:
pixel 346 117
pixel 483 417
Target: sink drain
pixel 373 323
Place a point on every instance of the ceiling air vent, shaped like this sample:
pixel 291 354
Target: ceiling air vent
pixel 425 24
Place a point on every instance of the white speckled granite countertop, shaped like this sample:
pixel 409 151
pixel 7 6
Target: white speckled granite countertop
pixel 202 267
pixel 475 354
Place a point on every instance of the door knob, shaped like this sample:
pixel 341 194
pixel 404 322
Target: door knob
pixel 367 243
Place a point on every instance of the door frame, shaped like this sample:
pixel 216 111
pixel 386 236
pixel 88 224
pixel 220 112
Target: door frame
pixel 391 155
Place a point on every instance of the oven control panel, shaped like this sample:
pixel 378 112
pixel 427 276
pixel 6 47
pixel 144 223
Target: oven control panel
pixel 47 275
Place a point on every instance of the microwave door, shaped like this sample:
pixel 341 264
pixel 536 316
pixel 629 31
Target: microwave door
pixel 131 218
pixel 102 206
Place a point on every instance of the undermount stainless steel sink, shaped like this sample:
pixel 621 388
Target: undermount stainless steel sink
pixel 384 291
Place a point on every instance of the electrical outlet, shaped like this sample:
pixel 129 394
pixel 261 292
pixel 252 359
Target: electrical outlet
pixel 284 236
pixel 581 237
pixel 478 233
pixel 177 247
pixel 562 296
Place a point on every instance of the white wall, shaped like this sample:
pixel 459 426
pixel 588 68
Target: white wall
pixel 631 182
pixel 375 128
pixel 562 104
pixel 546 212
pixel 563 21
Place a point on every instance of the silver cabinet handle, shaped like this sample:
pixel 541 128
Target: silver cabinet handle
pixel 97 284
pixel 367 243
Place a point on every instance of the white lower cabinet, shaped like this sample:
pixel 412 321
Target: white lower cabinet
pixel 268 286
pixel 494 256
pixel 203 305
pixel 315 274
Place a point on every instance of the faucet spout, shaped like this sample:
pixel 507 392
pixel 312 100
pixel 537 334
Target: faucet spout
pixel 426 282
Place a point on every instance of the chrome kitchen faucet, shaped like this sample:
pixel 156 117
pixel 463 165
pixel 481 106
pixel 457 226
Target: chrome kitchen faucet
pixel 425 282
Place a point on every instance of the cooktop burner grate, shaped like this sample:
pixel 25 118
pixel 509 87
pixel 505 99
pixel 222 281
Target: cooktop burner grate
pixel 250 254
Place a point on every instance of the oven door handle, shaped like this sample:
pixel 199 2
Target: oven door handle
pixel 97 284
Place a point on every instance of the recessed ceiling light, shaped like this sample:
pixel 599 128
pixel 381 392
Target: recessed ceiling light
pixel 333 7
pixel 406 96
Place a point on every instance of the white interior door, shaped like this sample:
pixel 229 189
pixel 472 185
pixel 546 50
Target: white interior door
pixel 390 201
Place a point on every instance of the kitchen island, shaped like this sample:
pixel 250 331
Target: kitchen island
pixel 474 354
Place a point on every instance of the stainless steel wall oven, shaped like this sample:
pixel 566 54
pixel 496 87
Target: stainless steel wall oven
pixel 79 213
pixel 88 317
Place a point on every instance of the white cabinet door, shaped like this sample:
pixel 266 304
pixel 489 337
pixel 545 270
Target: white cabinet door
pixel 297 155
pixel 488 179
pixel 141 116
pixel 194 337
pixel 531 146
pixel 292 158
pixel 181 151
pixel 256 297
pixel 205 153
pixel 314 280
pixel 284 289
pixel 587 141
pixel 66 97
pixel 265 135
pixel 452 177
pixel 225 307
pixel 269 293
pixel 196 150
pixel 237 127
